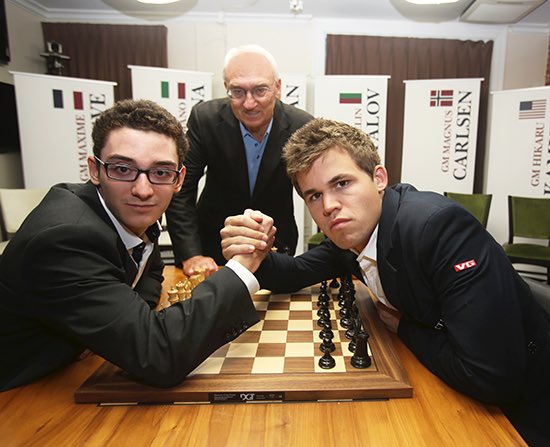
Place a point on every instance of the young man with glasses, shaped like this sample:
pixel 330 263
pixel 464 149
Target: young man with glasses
pixel 238 140
pixel 84 270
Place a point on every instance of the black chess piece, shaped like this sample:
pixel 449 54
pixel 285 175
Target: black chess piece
pixel 334 284
pixel 346 310
pixel 327 361
pixel 357 329
pixel 361 358
pixel 324 314
pixel 353 305
pixel 327 335
pixel 352 329
pixel 323 303
pixel 323 294
pixel 341 297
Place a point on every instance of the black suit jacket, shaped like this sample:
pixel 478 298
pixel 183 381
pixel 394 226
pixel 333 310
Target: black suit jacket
pixel 217 144
pixel 65 284
pixel 493 339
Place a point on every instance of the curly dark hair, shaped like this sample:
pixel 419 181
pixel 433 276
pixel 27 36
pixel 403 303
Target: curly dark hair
pixel 139 114
pixel 320 135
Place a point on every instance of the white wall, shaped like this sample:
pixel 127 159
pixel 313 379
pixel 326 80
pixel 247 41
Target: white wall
pixel 201 45
pixel 25 37
pixel 525 67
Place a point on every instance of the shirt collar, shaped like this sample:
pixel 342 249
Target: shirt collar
pixel 129 239
pixel 246 133
pixel 370 250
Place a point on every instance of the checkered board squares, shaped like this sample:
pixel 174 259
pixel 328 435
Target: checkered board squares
pixel 285 340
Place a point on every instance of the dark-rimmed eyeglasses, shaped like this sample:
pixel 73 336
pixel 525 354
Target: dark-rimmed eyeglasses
pixel 124 173
pixel 238 93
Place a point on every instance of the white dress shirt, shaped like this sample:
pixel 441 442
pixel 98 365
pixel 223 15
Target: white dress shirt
pixel 369 269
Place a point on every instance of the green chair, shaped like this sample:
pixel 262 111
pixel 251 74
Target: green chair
pixel 315 240
pixel 477 204
pixel 529 217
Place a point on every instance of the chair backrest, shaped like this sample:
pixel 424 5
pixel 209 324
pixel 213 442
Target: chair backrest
pixel 528 217
pixel 478 204
pixel 15 206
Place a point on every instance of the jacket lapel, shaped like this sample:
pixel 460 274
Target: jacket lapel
pixel 384 247
pixel 88 193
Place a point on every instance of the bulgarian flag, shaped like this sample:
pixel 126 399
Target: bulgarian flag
pixel 350 98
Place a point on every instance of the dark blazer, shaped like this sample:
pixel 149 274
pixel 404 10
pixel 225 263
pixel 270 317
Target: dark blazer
pixel 217 145
pixel 65 285
pixel 478 328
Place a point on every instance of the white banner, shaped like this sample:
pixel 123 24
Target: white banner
pixel 294 93
pixel 294 89
pixel 440 134
pixel 175 90
pixel 360 101
pixel 518 152
pixel 56 116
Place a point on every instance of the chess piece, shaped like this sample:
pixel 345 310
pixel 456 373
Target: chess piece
pixel 323 295
pixel 352 329
pixel 173 295
pixel 327 335
pixel 323 303
pixel 334 284
pixel 327 361
pixel 361 358
pixel 346 311
pixel 324 315
pixel 357 329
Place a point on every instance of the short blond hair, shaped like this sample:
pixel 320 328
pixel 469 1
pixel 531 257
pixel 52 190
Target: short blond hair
pixel 320 135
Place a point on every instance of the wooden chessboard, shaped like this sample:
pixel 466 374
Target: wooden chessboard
pixel 275 360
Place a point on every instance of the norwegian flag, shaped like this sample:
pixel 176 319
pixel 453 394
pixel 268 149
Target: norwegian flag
pixel 441 98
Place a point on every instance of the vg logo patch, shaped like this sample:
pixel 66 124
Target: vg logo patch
pixel 465 265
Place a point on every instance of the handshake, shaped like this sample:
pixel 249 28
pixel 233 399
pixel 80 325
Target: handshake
pixel 248 238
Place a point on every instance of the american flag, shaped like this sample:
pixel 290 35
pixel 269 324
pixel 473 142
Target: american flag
pixel 441 98
pixel 535 109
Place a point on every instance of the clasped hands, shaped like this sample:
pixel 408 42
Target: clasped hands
pixel 248 238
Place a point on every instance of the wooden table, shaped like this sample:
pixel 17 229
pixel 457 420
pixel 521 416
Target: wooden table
pixel 44 414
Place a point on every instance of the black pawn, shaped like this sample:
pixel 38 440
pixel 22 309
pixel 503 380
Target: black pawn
pixel 323 294
pixel 360 358
pixel 334 284
pixel 327 345
pixel 327 361
pixel 357 329
pixel 346 311
pixel 324 314
pixel 352 329
pixel 327 335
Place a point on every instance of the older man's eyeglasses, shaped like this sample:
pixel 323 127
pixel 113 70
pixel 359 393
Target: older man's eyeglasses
pixel 238 93
pixel 124 173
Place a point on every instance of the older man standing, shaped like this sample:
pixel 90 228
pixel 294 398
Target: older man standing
pixel 238 140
